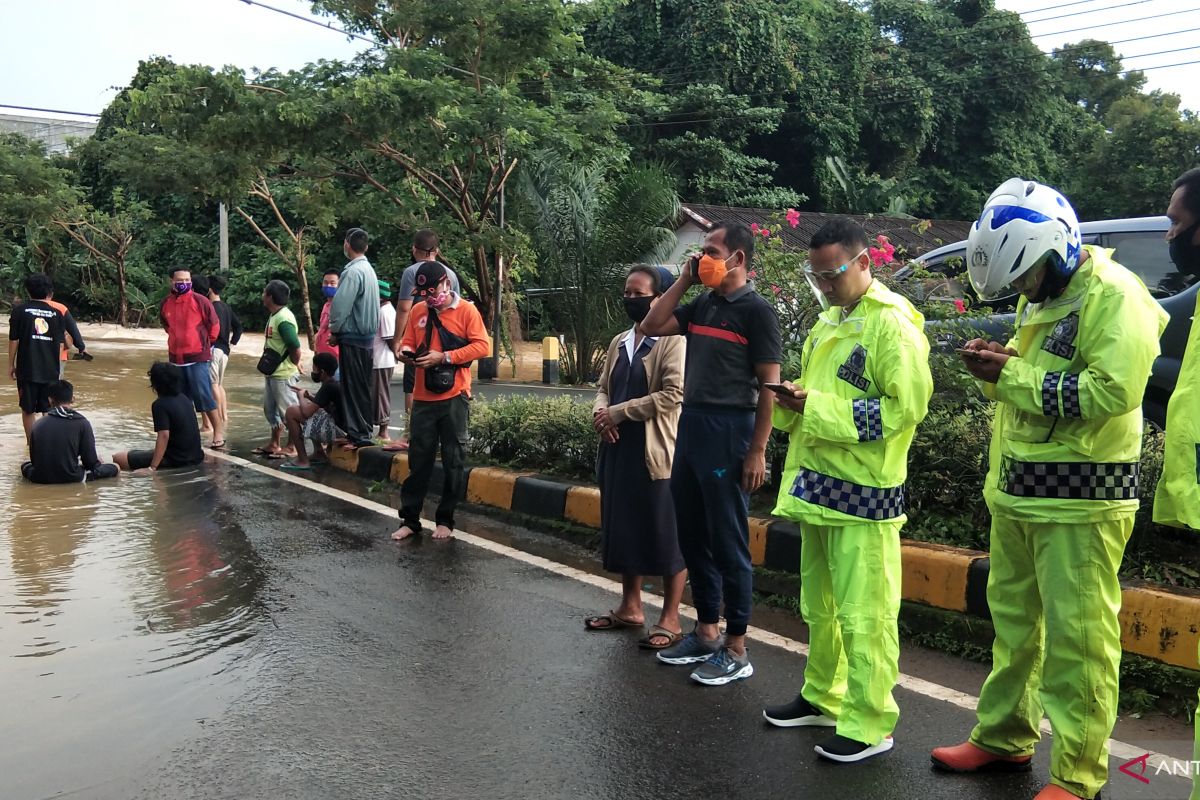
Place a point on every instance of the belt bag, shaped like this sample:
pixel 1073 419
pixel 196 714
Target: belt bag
pixel 269 361
pixel 439 379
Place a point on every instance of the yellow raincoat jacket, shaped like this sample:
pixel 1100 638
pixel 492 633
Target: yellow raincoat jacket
pixel 1067 439
pixel 1177 501
pixel 868 386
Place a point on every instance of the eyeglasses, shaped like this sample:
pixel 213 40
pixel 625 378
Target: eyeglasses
pixel 831 275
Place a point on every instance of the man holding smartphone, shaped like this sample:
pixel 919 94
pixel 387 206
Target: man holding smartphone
pixel 720 454
pixel 863 389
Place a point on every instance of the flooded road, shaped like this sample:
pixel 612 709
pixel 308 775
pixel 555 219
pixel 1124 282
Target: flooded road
pixel 231 632
pixel 128 608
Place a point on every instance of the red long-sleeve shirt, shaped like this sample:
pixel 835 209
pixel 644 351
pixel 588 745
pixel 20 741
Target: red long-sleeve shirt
pixel 192 326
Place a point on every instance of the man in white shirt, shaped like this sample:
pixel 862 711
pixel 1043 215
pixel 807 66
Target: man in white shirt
pixel 384 362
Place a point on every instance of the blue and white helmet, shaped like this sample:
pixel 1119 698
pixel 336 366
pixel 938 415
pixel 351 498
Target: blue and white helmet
pixel 1022 224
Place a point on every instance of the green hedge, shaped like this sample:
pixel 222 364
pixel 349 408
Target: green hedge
pixel 947 466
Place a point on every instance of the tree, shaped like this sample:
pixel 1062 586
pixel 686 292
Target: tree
pixel 588 223
pixel 107 237
pixel 1147 145
pixel 1089 74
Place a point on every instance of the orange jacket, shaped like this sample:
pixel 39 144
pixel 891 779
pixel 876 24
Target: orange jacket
pixel 460 318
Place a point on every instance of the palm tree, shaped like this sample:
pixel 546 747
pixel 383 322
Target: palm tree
pixel 588 223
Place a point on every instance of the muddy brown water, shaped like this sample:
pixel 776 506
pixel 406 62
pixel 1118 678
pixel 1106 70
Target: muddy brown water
pixel 123 603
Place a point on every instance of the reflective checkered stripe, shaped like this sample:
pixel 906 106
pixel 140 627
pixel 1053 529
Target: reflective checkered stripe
pixel 866 502
pixel 1066 385
pixel 868 419
pixel 1070 480
pixel 1070 395
pixel 1050 393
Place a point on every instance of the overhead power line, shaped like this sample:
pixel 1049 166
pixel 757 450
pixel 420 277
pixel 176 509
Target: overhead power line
pixel 311 21
pixel 1081 13
pixel 1119 22
pixel 50 111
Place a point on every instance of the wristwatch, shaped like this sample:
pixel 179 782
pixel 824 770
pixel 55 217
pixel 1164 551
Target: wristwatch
pixel 446 358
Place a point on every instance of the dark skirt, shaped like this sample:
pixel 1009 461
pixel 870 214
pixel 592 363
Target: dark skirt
pixel 637 515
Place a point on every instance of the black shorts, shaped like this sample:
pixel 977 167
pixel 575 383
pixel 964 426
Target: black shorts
pixel 140 459
pixel 34 397
pixel 410 379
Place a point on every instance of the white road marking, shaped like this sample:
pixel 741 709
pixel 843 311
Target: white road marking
pixel 1117 749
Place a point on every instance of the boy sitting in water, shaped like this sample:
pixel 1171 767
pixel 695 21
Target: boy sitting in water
pixel 318 417
pixel 178 435
pixel 60 440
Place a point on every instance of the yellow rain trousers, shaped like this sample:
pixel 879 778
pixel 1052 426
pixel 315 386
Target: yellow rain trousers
pixel 1063 488
pixel 1054 597
pixel 868 384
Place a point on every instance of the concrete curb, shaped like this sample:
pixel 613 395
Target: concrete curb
pixel 1155 623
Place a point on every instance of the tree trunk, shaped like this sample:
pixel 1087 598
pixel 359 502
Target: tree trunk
pixel 302 278
pixel 483 279
pixel 122 295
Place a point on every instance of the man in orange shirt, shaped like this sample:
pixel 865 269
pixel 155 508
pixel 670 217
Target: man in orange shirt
pixel 443 335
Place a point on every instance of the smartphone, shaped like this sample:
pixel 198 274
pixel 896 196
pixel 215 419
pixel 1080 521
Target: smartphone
pixel 974 354
pixel 778 388
pixel 408 354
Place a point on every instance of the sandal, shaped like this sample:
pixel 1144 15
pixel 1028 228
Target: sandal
pixel 217 445
pixel 609 622
pixel 659 632
pixel 292 466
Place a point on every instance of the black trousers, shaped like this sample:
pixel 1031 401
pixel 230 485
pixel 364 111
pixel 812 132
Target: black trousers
pixel 434 423
pixel 358 375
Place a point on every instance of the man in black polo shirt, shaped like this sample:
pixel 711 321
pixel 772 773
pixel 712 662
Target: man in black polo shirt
pixel 720 457
pixel 35 342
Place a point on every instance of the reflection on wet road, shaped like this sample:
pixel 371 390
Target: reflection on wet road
pixel 123 603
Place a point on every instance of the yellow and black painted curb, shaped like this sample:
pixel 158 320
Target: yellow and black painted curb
pixel 1156 623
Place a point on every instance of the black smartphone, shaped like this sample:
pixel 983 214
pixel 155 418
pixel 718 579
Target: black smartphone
pixel 408 354
pixel 779 388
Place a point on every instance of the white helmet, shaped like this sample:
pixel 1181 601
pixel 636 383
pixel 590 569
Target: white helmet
pixel 1022 223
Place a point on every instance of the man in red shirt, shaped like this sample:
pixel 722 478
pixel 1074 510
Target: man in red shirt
pixel 192 326
pixel 443 335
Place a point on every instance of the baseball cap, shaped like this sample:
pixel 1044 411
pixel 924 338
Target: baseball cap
pixel 429 275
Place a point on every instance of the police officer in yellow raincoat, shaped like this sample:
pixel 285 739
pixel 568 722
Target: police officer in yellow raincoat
pixel 1062 485
pixel 1177 501
pixel 864 387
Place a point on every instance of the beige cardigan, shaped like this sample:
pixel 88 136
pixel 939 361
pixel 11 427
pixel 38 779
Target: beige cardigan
pixel 660 408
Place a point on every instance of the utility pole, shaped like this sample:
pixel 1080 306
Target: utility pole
pixel 224 218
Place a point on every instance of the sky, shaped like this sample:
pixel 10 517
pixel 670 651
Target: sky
pixel 70 54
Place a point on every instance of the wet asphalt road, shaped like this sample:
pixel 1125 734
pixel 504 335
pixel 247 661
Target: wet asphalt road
pixel 440 670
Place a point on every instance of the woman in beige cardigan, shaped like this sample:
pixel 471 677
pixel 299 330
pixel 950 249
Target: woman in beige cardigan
pixel 636 414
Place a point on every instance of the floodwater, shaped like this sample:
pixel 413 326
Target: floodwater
pixel 128 610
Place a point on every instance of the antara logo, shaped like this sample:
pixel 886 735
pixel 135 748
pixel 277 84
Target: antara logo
pixel 1137 768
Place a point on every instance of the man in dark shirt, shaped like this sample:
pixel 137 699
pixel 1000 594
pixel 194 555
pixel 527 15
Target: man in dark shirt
pixel 320 417
pixel 734 349
pixel 60 440
pixel 177 443
pixel 35 341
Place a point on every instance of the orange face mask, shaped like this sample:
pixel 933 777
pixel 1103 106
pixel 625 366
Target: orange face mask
pixel 711 271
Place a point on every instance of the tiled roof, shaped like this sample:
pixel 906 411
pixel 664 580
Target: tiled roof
pixel 900 232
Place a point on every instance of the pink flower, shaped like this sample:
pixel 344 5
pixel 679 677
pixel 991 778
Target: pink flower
pixel 881 239
pixel 960 306
pixel 752 274
pixel 876 255
pixel 754 227
pixel 776 289
pixel 793 217
pixel 766 232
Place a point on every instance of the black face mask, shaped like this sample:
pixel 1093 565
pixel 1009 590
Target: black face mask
pixel 637 307
pixel 1184 253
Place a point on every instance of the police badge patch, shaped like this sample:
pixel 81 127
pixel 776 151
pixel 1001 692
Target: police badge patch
pixel 1061 341
pixel 854 368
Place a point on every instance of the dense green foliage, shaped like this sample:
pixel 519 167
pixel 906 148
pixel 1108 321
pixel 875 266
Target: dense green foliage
pixel 909 105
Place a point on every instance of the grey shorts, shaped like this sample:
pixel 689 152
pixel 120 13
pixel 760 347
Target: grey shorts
pixel 216 367
pixel 278 397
